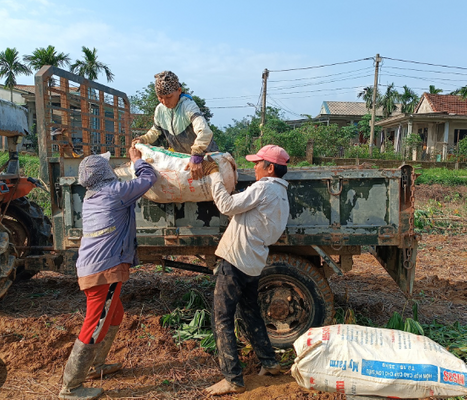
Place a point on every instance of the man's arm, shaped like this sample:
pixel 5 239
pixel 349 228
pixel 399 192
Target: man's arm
pixel 149 137
pixel 237 203
pixel 203 135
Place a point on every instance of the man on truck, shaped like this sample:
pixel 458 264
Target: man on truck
pixel 181 122
pixel 259 216
pixel 106 253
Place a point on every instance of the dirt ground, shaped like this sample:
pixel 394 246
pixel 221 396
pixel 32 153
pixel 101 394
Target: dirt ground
pixel 41 318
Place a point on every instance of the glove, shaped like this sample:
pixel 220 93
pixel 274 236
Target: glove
pixel 196 159
pixel 210 167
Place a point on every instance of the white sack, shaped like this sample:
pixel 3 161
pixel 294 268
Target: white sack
pixel 365 361
pixel 174 184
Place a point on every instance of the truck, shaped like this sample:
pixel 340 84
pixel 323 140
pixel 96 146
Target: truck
pixel 335 212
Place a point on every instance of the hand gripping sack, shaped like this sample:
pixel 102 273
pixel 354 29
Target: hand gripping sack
pixel 174 184
pixel 364 361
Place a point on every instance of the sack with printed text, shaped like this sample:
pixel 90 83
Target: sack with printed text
pixel 174 184
pixel 363 361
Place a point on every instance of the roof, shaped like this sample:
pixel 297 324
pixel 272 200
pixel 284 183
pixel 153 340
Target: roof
pixel 349 108
pixel 447 103
pixel 26 88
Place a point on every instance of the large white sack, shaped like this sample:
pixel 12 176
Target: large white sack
pixel 364 361
pixel 174 184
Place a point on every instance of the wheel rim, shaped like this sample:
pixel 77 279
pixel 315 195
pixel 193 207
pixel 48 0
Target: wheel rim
pixel 286 306
pixel 19 232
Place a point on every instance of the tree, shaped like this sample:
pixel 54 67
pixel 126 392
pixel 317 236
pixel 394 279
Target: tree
pixel 364 128
pixel 46 56
pixel 462 92
pixel 409 100
pixel 10 66
pixel 434 90
pixel 89 67
pixel 367 96
pixel 389 100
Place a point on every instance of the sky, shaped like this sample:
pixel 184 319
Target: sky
pixel 316 51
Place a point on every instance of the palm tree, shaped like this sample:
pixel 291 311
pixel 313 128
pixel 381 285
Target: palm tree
pixel 434 90
pixel 89 67
pixel 462 92
pixel 367 96
pixel 10 66
pixel 389 100
pixel 46 56
pixel 409 100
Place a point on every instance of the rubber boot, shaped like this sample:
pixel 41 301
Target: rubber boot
pixel 76 369
pixel 98 368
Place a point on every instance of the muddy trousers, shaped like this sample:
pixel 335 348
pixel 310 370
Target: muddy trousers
pixel 103 309
pixel 233 288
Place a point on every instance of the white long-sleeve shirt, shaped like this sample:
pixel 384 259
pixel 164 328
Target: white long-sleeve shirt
pixel 260 216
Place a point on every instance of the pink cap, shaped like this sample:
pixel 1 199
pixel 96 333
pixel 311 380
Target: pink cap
pixel 271 153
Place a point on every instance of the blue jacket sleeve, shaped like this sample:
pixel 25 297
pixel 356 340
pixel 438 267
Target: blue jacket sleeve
pixel 134 189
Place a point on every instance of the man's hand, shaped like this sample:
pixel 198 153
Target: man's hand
pixel 135 140
pixel 196 170
pixel 134 154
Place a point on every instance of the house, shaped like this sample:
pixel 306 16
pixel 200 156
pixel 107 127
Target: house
pixel 440 120
pixel 345 113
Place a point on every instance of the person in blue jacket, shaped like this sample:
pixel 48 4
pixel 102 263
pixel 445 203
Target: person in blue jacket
pixel 107 251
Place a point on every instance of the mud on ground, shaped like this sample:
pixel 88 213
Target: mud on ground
pixel 40 319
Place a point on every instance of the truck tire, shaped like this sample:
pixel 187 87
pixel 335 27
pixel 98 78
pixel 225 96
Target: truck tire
pixel 293 296
pixel 28 226
pixel 7 263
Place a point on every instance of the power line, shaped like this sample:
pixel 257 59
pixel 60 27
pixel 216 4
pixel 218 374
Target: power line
pixel 322 82
pixel 423 63
pixel 231 107
pixel 233 97
pixel 324 90
pixel 421 78
pixel 323 76
pixel 425 70
pixel 276 102
pixel 322 66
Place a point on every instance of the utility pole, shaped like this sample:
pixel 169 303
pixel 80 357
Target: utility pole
pixel 263 108
pixel 373 111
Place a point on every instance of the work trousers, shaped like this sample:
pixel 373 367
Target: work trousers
pixel 233 288
pixel 103 308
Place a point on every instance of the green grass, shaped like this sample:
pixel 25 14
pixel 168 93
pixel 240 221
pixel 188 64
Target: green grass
pixel 443 176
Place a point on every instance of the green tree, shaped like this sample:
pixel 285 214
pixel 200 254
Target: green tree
pixel 462 92
pixel 409 100
pixel 364 127
pixel 367 96
pixel 10 66
pixel 434 90
pixel 90 67
pixel 46 56
pixel 389 100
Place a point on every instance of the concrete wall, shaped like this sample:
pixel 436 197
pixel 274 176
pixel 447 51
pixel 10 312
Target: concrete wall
pixel 13 118
pixel 425 107
pixel 17 98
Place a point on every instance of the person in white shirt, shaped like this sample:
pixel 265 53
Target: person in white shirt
pixel 259 216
